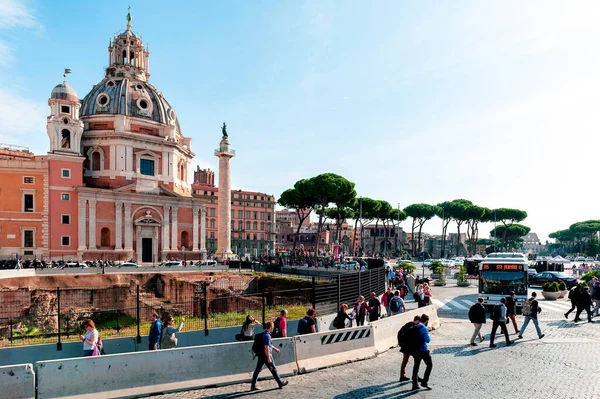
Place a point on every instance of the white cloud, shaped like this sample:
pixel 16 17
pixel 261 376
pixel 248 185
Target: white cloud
pixel 15 14
pixel 21 118
pixel 6 54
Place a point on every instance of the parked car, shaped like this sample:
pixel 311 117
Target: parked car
pixel 428 262
pixel 128 264
pixel 541 278
pixel 531 273
pixel 580 259
pixel 171 263
pixel 75 264
pixel 589 259
pixel 207 262
pixel 448 262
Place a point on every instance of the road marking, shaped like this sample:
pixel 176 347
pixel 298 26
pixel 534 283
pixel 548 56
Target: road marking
pixel 560 306
pixel 469 303
pixel 438 303
pixel 456 304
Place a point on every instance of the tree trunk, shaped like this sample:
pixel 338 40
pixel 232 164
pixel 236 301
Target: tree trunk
pixel 375 237
pixel 458 238
pixel 420 228
pixel 354 236
pixel 412 238
pixel 319 228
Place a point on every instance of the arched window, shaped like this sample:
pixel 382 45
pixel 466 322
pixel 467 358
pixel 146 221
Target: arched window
pixel 240 225
pixel 232 225
pixel 255 226
pixel 262 225
pixel 247 225
pixel 65 141
pixel 95 160
pixel 212 223
pixel 269 227
pixel 105 237
pixel 185 237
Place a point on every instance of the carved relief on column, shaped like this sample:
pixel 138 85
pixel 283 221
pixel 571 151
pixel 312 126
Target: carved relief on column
pixel 82 241
pixel 165 226
pixel 92 225
pixel 203 229
pixel 128 228
pixel 155 246
pixel 174 228
pixel 195 228
pixel 138 245
pixel 118 226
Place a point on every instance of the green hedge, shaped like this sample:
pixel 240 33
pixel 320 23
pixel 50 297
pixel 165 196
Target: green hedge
pixel 588 276
pixel 551 286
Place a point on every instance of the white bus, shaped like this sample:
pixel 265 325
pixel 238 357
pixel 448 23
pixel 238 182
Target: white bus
pixel 499 274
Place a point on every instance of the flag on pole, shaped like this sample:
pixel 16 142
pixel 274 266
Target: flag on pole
pixel 67 71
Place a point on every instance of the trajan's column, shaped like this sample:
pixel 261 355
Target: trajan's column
pixel 224 153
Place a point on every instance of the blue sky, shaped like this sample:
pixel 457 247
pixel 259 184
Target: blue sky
pixel 495 102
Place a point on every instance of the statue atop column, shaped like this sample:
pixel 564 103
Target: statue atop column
pixel 224 129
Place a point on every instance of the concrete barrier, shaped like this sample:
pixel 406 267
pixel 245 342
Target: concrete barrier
pixel 143 373
pixel 331 348
pixel 17 381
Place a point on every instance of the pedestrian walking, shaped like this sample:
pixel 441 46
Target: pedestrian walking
pixel 90 339
pixel 407 348
pixel 511 310
pixel 595 294
pixel 531 309
pixel 498 316
pixel 574 296
pixel 360 310
pixel 584 303
pixel 263 348
pixel 422 355
pixel 247 331
pixel 168 339
pixel 427 294
pixel 477 317
pixel 280 325
pixel 397 305
pixel 307 325
pixel 340 320
pixel 155 331
pixel 374 307
pixel 418 296
pixel 385 300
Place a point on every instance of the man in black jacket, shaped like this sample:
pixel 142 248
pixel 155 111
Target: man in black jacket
pixel 585 302
pixel 511 310
pixel 574 295
pixel 477 317
pixel 405 348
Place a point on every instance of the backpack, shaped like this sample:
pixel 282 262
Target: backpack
pixel 302 326
pixel 257 345
pixel 527 308
pixel 495 313
pixel 571 293
pixel 403 332
pixel 411 340
pixel 276 330
pixel 395 304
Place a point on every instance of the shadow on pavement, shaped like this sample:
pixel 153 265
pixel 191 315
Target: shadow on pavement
pixel 247 393
pixel 566 324
pixel 382 391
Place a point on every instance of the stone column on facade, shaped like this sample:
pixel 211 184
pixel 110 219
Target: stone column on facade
pixel 195 228
pixel 128 228
pixel 138 244
pixel 118 226
pixel 174 228
pixel 224 206
pixel 165 229
pixel 203 230
pixel 155 246
pixel 92 225
pixel 82 219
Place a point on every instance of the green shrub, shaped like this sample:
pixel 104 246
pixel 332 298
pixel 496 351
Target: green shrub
pixel 562 286
pixel 551 286
pixel 407 266
pixel 588 276
pixel 437 267
pixel 461 274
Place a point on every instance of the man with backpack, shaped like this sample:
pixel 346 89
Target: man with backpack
pixel 585 302
pixel 307 325
pixel 280 325
pixel 262 348
pixel 574 296
pixel 498 316
pixel 408 344
pixel 530 311
pixel 421 353
pixel 397 305
pixel 477 317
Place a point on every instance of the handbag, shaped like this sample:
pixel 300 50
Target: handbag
pixel 95 351
pixel 173 340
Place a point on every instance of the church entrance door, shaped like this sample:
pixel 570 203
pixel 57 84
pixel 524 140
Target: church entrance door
pixel 147 250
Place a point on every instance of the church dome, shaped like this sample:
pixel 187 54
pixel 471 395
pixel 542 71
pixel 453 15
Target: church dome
pixel 64 92
pixel 114 96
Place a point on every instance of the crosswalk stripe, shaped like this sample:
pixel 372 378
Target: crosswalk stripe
pixel 456 304
pixel 466 302
pixel 555 306
pixel 438 303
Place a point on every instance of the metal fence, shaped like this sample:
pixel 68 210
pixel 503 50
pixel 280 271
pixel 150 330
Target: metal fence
pixel 55 316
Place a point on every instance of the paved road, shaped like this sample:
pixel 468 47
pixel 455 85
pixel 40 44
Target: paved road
pixel 529 368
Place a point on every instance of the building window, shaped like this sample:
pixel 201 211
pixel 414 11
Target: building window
pixel 212 212
pixel 262 216
pixel 65 241
pixel 232 214
pixel 262 225
pixel 254 236
pixel 247 225
pixel 247 236
pixel 28 203
pixel 232 225
pixel 66 219
pixel 255 226
pixel 64 196
pixel 28 239
pixel 65 109
pixel 66 173
pixel 65 141
pixel 255 215
pixel 28 180
pixel 247 214
pixel 212 223
pixel 262 236
pixel 240 214
pixel 212 234
pixel 240 225
pixel 147 167
pixel 105 237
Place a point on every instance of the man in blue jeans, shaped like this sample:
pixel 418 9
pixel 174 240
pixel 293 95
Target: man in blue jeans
pixel 155 330
pixel 531 314
pixel 265 357
pixel 422 354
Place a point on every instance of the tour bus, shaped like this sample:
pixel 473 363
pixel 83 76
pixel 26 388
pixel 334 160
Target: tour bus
pixel 499 274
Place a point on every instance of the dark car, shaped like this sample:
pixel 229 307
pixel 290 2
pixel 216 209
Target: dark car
pixel 543 277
